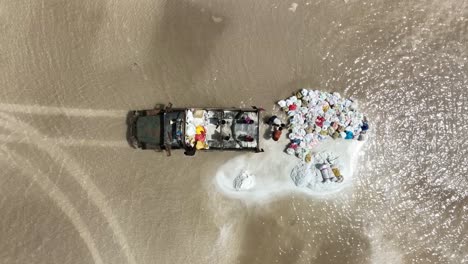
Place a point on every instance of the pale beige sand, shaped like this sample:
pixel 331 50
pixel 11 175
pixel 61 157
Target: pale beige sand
pixel 71 191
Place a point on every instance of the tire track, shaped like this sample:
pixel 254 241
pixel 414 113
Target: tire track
pixel 74 169
pixel 56 195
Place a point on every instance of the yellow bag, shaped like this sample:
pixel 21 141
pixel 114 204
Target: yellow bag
pixel 336 172
pixel 200 145
pixel 325 108
pixel 200 130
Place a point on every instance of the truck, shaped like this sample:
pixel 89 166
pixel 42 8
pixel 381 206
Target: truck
pixel 206 129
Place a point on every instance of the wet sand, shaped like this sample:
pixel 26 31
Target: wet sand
pixel 72 191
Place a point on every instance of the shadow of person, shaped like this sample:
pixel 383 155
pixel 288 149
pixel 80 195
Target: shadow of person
pixel 267 135
pixel 185 39
pixel 284 234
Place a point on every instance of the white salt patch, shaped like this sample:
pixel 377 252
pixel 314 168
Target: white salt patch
pixel 301 175
pixel 273 171
pixel 346 152
pixel 293 7
pixel 244 181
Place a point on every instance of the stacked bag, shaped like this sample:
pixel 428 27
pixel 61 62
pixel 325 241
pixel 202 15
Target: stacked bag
pixel 315 116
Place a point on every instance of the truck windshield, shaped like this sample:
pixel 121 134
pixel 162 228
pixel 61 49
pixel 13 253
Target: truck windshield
pixel 174 128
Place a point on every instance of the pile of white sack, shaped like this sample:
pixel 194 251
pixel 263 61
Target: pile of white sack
pixel 315 116
pixel 244 181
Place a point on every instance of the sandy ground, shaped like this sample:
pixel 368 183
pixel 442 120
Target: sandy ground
pixel 72 191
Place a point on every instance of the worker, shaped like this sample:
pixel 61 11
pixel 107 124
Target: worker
pixel 274 121
pixel 189 149
pixel 277 133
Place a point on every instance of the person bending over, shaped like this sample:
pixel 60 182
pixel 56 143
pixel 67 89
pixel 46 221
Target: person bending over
pixel 277 133
pixel 275 121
